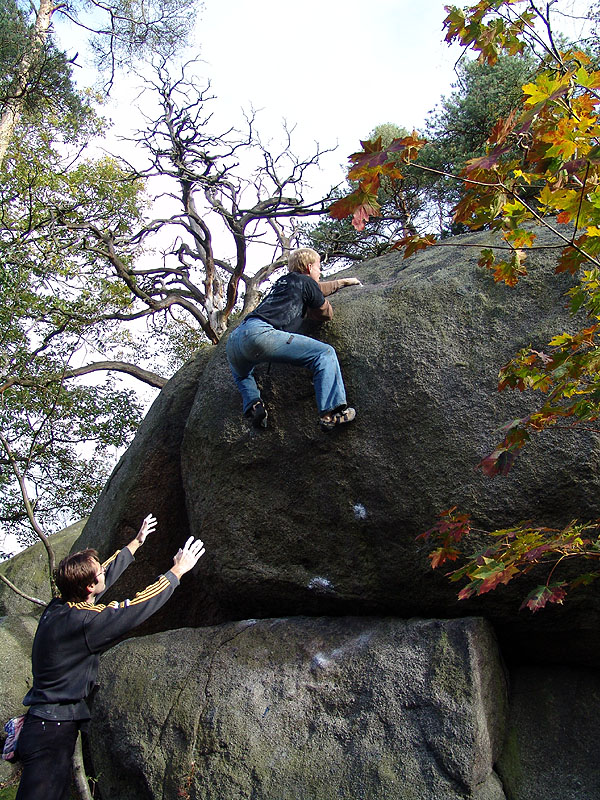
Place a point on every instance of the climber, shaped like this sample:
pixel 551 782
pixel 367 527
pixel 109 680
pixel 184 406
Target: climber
pixel 72 632
pixel 269 333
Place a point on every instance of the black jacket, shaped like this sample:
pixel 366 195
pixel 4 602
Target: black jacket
pixel 70 637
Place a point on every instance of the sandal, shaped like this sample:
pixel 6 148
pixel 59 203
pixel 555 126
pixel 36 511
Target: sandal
pixel 329 422
pixel 258 414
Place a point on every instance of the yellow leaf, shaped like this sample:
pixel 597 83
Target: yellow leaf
pixel 512 207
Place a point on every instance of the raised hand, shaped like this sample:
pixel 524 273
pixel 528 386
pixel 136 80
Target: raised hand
pixel 187 556
pixel 148 526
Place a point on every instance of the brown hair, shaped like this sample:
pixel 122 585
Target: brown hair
pixel 75 573
pixel 301 259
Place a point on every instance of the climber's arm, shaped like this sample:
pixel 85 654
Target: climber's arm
pixel 329 287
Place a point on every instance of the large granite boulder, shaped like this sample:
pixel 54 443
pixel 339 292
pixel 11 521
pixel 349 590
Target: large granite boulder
pixel 302 708
pixel 553 722
pixel 297 521
pixel 29 572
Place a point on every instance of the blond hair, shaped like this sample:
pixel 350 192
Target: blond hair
pixel 301 259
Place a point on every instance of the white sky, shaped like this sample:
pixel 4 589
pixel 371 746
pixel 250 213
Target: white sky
pixel 333 69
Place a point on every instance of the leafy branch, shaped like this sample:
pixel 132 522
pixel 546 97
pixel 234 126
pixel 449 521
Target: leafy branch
pixel 514 552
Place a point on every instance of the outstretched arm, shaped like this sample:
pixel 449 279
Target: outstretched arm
pixel 119 561
pixel 105 624
pixel 329 287
pixel 148 526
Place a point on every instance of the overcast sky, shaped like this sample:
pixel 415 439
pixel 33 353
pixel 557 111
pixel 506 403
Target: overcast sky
pixel 332 69
pixel 335 68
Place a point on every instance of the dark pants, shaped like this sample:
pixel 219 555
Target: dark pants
pixel 45 749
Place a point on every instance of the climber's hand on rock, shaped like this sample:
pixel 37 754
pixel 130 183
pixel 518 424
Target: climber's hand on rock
pixel 187 556
pixel 148 526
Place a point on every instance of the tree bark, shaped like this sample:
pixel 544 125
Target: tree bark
pixel 79 777
pixel 14 107
pixel 143 375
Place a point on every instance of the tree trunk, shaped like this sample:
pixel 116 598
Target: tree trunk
pixel 14 107
pixel 79 777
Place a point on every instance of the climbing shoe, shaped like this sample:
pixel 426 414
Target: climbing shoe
pixel 335 418
pixel 258 414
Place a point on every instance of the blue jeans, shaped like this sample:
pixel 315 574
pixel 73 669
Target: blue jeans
pixel 255 341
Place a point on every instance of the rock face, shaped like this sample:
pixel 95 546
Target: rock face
pixel 28 570
pixel 16 636
pixel 297 521
pixel 325 688
pixel 301 708
pixel 553 717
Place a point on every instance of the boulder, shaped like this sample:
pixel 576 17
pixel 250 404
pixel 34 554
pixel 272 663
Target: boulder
pixel 301 708
pixel 552 725
pixel 16 636
pixel 28 571
pixel 148 478
pixel 297 521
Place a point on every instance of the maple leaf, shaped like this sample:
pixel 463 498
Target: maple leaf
pixel 391 171
pixel 585 579
pixel 467 592
pixel 497 463
pixel 361 204
pixel 510 271
pixel 571 259
pixel 533 555
pixel 544 90
pixel 520 238
pixel 368 160
pixel 443 554
pixel 486 162
pixel 500 576
pixel 414 243
pixel 541 595
pixel 362 214
pixel 587 79
pixel 408 147
pixel 503 128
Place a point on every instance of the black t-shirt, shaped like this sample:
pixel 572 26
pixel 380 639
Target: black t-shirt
pixel 286 304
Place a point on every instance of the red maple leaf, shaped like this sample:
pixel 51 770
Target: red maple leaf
pixel 361 216
pixel 503 128
pixel 554 593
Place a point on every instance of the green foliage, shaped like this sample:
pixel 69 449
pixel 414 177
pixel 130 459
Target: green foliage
pixel 458 130
pixel 139 30
pixel 58 307
pixel 63 440
pixel 8 792
pixel 50 87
